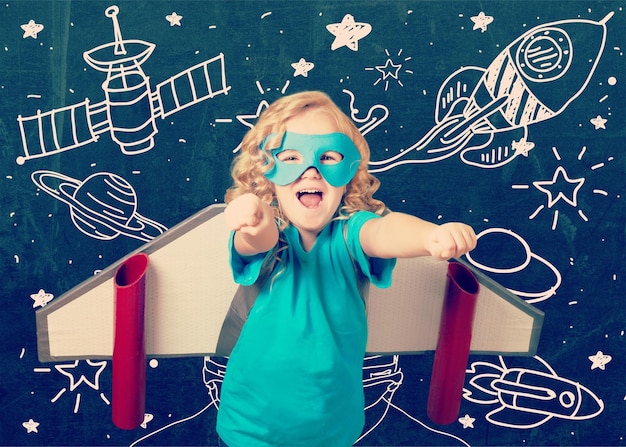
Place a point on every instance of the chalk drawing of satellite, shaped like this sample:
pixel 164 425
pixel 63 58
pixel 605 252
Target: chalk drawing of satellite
pixel 130 108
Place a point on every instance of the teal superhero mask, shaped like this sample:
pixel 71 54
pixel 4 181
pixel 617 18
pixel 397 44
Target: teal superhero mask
pixel 311 148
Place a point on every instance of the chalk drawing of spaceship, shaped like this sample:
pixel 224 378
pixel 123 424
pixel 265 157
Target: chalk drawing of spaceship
pixel 130 108
pixel 484 113
pixel 527 398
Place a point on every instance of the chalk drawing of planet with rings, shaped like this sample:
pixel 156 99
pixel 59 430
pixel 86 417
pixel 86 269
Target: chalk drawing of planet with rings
pixel 103 206
pixel 510 261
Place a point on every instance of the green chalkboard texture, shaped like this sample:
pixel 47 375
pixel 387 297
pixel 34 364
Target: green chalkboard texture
pixel 119 120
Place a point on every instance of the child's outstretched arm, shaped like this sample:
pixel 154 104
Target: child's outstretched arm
pixel 254 225
pixel 399 235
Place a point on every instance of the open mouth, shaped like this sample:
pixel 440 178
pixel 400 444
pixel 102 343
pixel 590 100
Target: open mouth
pixel 311 198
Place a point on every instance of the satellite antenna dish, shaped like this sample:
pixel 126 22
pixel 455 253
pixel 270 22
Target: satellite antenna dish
pixel 115 56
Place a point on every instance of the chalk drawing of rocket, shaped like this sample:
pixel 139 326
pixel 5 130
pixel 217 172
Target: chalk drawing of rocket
pixel 484 113
pixel 130 108
pixel 528 398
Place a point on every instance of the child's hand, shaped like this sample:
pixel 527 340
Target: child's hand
pixel 451 240
pixel 253 221
pixel 246 213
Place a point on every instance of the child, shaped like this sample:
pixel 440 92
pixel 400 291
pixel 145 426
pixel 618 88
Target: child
pixel 302 209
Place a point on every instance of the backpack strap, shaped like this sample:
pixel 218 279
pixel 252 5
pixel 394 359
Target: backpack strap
pixel 237 314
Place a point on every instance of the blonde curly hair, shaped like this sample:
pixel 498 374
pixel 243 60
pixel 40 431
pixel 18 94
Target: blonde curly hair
pixel 250 165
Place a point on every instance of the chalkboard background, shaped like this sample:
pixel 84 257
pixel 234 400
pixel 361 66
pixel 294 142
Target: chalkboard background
pixel 551 218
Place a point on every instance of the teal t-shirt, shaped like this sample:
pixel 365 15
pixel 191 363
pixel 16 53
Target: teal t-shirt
pixel 294 378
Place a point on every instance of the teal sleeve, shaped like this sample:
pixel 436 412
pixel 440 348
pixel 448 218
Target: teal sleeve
pixel 245 269
pixel 377 270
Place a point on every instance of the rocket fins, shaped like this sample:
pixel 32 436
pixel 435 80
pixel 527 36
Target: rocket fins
pixel 455 92
pixel 514 418
pixel 479 388
pixel 500 150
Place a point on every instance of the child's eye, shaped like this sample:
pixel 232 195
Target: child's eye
pixel 289 156
pixel 331 157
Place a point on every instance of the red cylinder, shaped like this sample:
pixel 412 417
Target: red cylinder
pixel 453 345
pixel 129 350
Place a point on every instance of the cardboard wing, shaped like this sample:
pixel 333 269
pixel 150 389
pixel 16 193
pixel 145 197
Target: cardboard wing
pixel 189 290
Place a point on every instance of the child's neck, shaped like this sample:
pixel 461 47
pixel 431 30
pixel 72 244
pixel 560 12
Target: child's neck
pixel 307 239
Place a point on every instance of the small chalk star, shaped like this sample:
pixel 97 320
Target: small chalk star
pixel 599 360
pixel 522 147
pixel 147 418
pixel 467 421
pixel 481 21
pixel 348 32
pixel 389 69
pixel 30 426
pixel 31 29
pixel 302 67
pixel 41 298
pixel 598 122
pixel 174 19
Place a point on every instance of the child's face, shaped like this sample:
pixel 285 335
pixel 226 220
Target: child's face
pixel 310 202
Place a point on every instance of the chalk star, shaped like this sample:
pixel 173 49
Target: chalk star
pixel 387 71
pixel 348 32
pixel 246 120
pixel 599 360
pixel 30 426
pixel 560 177
pixel 31 29
pixel 481 21
pixel 174 19
pixel 467 421
pixel 41 298
pixel 147 418
pixel 96 369
pixel 598 122
pixel 302 67
pixel 522 147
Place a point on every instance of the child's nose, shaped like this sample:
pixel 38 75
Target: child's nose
pixel 311 172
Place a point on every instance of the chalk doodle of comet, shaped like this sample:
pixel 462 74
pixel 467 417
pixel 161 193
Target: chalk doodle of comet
pixel 528 398
pixel 484 113
pixel 130 108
